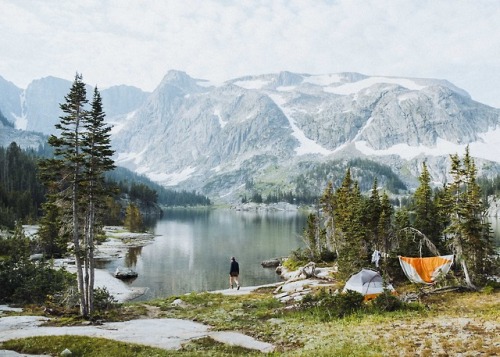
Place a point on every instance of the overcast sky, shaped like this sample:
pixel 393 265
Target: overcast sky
pixel 136 42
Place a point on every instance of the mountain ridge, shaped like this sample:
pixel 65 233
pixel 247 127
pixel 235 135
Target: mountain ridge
pixel 215 137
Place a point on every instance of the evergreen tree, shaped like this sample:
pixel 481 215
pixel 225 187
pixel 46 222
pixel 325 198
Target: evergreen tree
pixel 52 240
pixel 353 248
pixel 133 219
pixel 97 149
pixel 21 193
pixel 66 171
pixel 82 153
pixel 426 217
pixel 470 234
pixel 327 202
pixel 372 217
pixel 312 237
pixel 385 228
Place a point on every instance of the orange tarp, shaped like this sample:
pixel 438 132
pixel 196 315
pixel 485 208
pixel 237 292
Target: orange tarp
pixel 427 268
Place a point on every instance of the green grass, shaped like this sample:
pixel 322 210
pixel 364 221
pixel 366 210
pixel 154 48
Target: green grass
pixel 436 325
pixel 81 346
pixel 247 314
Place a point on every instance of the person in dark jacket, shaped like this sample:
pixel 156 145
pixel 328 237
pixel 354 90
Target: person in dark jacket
pixel 234 272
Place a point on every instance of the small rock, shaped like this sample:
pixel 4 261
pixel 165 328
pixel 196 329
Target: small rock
pixel 276 321
pixel 179 303
pixel 66 352
pixel 125 273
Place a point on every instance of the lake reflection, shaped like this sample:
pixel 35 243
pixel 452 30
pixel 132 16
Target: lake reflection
pixel 192 249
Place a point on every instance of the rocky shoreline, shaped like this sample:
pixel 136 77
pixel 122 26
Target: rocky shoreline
pixel 295 284
pixel 118 241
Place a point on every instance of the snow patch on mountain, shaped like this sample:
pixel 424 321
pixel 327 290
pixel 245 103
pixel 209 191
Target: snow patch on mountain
pixel 222 122
pixel 324 80
pixel 124 158
pixel 355 87
pixel 117 126
pixel 487 148
pixel 367 124
pixel 172 179
pixel 306 145
pixel 22 120
pixel 286 88
pixel 208 84
pixel 407 96
pixel 252 84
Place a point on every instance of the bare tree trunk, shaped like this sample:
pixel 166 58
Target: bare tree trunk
pixel 76 225
pixel 91 256
pixel 87 263
pixel 467 277
pixel 78 252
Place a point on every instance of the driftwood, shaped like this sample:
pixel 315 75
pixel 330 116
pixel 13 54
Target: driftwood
pixel 309 270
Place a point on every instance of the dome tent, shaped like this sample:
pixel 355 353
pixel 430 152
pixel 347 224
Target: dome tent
pixel 367 282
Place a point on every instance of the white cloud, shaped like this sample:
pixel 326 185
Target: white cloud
pixel 137 42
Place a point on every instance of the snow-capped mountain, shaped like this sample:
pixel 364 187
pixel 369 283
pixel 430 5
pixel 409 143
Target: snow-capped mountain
pixel 194 134
pixel 270 129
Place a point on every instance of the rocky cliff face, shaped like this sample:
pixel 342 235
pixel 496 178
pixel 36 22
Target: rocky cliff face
pixel 37 107
pixel 10 100
pixel 216 138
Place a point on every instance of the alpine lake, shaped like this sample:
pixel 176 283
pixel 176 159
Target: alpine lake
pixel 192 249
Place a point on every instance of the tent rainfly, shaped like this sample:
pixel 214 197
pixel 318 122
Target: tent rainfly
pixel 426 270
pixel 367 282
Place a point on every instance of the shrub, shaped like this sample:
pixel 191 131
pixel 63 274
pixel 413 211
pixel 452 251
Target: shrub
pixel 329 306
pixel 26 282
pixel 386 301
pixel 346 303
pixel 103 300
pixel 297 259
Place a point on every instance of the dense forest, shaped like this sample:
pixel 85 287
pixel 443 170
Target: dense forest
pixel 139 186
pixel 364 171
pixel 316 176
pixel 22 193
pixel 350 226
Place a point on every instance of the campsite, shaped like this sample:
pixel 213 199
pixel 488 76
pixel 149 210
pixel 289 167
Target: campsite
pixel 442 323
pixel 370 280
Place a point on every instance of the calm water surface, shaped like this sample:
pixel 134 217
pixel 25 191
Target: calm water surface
pixel 192 250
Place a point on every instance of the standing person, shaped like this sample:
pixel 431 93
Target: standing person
pixel 234 272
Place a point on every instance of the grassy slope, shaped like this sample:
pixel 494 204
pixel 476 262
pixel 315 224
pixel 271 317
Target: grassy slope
pixel 445 324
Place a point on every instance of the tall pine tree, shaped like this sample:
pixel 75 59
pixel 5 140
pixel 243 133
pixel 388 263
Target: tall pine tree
pixel 470 233
pixel 426 217
pixel 97 149
pixel 82 153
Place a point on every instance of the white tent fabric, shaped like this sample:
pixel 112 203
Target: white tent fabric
pixel 367 282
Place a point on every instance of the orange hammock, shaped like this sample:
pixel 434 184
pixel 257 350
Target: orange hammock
pixel 425 270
